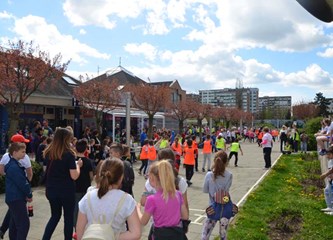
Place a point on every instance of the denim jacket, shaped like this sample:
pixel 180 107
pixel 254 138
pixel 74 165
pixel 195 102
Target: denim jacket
pixel 17 185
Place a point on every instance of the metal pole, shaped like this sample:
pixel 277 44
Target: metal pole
pixel 128 119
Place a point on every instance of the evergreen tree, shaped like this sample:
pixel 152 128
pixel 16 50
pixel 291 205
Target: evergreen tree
pixel 322 103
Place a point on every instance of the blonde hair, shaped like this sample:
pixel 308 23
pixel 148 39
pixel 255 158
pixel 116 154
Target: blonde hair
pixel 163 172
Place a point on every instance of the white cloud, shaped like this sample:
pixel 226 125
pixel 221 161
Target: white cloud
pixel 6 15
pixel 87 12
pixel 148 50
pixel 313 76
pixel 82 31
pixel 48 37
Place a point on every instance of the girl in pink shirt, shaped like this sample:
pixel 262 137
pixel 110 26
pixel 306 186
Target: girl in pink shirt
pixel 166 206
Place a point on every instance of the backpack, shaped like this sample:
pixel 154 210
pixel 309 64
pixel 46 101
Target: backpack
pixel 221 207
pixel 99 229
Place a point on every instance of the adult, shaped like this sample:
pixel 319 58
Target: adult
pixel 47 130
pixel 105 200
pixel 218 179
pixel 24 162
pixel 267 144
pixel 324 136
pixel 283 137
pixel 61 172
pixel 143 137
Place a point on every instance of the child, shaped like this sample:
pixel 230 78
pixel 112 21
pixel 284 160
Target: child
pixel 328 176
pixel 195 146
pixel 177 149
pixel 189 161
pixel 220 143
pixel 118 150
pixel 166 223
pixel 129 177
pixel 40 149
pixel 207 153
pixel 287 148
pixel 144 157
pixel 234 148
pixel 18 192
pixel 151 155
pixel 86 175
pixel 104 201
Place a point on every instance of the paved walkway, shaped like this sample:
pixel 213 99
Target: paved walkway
pixel 250 170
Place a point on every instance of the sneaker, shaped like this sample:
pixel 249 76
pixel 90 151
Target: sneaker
pixel 189 183
pixel 1 234
pixel 208 170
pixel 139 172
pixel 74 236
pixel 326 209
pixel 203 170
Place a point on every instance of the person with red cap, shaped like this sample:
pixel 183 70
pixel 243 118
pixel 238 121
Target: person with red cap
pixel 24 162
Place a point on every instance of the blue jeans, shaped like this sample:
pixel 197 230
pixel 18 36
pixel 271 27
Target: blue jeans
pixel 304 146
pixel 19 221
pixel 58 201
pixel 328 192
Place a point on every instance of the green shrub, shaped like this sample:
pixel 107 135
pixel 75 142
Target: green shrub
pixel 311 127
pixel 37 170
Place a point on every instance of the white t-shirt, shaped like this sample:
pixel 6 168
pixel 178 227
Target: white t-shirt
pixel 107 206
pixel 25 162
pixel 267 140
pixel 182 185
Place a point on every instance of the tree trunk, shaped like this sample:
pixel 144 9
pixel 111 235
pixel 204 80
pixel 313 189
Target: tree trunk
pixel 180 126
pixel 150 126
pixel 200 128
pixel 98 117
pixel 14 111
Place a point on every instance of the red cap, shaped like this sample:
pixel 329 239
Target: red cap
pixel 19 138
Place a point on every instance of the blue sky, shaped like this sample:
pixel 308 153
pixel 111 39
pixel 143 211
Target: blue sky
pixel 275 46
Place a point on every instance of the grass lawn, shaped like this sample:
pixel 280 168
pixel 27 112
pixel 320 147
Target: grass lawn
pixel 286 205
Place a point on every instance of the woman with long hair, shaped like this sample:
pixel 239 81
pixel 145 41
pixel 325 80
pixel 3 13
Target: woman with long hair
pixel 60 174
pixel 218 179
pixel 167 224
pixel 105 202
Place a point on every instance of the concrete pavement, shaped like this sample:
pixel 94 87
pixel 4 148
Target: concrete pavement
pixel 249 170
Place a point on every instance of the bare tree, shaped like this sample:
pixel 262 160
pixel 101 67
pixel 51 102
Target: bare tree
pixel 100 96
pixel 24 69
pixel 150 99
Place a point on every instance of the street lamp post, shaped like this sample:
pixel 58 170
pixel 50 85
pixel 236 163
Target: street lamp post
pixel 128 118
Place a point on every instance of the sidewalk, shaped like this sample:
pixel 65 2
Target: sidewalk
pixel 249 170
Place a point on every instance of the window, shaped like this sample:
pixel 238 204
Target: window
pixel 49 110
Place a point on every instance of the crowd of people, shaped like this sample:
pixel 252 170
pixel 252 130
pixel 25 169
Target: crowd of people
pixel 71 166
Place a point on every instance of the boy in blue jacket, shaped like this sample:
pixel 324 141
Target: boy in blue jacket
pixel 18 192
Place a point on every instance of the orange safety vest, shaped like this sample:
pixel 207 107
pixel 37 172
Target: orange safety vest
pixel 195 145
pixel 207 147
pixel 177 150
pixel 144 153
pixel 189 158
pixel 151 153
